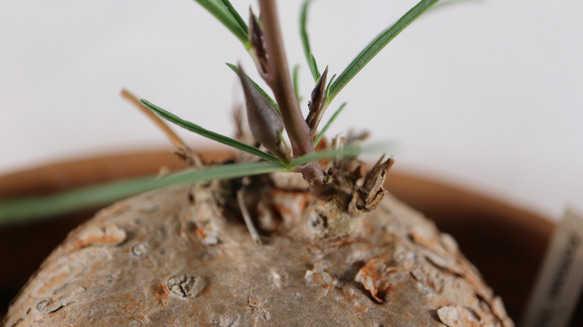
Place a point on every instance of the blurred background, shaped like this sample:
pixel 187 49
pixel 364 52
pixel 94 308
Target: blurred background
pixel 487 95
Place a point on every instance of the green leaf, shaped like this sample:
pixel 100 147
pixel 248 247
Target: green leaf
pixel 21 210
pixel 296 83
pixel 346 151
pixel 373 48
pixel 258 88
pixel 35 208
pixel 209 134
pixel 330 83
pixel 330 121
pixel 226 14
pixel 306 42
pixel 236 16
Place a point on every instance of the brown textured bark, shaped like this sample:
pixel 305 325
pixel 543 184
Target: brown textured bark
pixel 504 242
pixel 161 259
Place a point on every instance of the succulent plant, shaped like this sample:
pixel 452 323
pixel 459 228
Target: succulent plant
pixel 298 234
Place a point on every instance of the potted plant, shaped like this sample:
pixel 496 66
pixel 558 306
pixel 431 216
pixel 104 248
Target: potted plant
pixel 246 244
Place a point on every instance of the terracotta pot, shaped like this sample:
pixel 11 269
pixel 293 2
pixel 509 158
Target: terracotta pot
pixel 504 242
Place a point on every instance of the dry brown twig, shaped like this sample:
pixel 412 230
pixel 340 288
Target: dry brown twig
pixel 181 149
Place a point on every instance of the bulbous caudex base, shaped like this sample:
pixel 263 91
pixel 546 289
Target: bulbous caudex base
pixel 169 259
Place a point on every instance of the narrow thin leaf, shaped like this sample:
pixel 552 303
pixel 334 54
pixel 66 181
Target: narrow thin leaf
pixel 226 14
pixel 296 82
pixel 306 41
pixel 265 95
pixel 328 87
pixel 346 151
pixel 208 134
pixel 373 48
pixel 235 14
pixel 35 208
pixel 330 121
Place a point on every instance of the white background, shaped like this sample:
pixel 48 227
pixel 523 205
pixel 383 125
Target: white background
pixel 484 94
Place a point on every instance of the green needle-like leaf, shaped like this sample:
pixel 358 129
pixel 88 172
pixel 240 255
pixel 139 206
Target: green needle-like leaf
pixel 373 48
pixel 21 210
pixel 209 134
pixel 346 151
pixel 258 88
pixel 306 42
pixel 330 121
pixel 235 14
pixel 296 83
pixel 34 208
pixel 226 14
pixel 328 88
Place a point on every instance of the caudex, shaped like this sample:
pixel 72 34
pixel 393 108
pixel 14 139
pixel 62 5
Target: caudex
pixel 269 120
pixel 328 264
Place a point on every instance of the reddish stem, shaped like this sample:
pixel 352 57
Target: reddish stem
pixel 279 79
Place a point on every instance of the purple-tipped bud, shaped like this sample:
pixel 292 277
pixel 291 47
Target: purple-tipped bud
pixel 317 102
pixel 257 40
pixel 264 122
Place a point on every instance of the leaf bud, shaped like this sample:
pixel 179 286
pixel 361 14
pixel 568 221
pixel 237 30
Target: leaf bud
pixel 257 40
pixel 265 124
